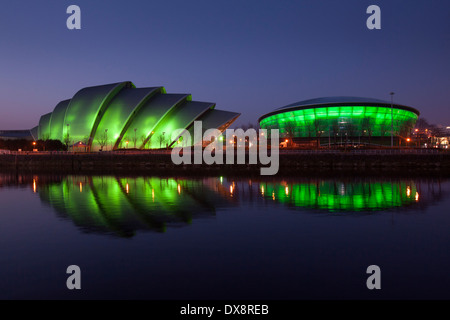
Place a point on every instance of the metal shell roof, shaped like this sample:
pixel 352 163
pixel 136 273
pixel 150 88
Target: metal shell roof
pixel 120 112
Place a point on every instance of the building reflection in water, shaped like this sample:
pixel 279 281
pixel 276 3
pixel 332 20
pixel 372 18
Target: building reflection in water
pixel 334 195
pixel 121 206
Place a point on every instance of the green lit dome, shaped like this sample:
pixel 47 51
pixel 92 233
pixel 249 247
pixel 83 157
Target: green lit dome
pixel 349 116
pixel 108 116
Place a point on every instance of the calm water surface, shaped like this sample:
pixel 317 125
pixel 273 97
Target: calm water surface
pixel 223 238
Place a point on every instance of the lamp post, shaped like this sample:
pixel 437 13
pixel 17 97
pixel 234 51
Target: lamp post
pixel 392 119
pixel 135 138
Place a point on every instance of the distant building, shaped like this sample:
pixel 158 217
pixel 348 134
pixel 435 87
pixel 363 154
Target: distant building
pixel 337 119
pixel 16 135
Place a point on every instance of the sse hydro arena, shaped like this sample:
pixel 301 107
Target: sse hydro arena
pixel 338 120
pixel 119 115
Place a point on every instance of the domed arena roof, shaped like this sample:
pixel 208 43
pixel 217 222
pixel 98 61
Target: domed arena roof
pixel 337 101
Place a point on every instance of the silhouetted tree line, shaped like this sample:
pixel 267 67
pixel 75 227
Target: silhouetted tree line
pixel 437 131
pixel 27 145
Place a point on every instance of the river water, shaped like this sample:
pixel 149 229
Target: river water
pixel 224 238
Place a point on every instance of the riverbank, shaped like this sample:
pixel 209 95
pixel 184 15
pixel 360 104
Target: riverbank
pixel 290 162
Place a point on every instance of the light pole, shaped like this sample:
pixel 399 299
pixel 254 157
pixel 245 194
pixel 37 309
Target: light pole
pixel 135 138
pixel 392 119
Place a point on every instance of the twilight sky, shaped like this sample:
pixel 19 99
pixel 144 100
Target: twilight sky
pixel 248 56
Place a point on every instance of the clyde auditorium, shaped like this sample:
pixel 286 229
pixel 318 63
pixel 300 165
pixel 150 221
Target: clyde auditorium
pixel 120 115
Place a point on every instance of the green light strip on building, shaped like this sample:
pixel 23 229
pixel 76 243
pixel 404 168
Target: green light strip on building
pixel 353 120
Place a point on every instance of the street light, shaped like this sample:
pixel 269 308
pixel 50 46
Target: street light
pixel 392 119
pixel 106 139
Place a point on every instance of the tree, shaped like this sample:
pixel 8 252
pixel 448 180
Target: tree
pixel 384 128
pixel 269 132
pixel 161 139
pixel 134 139
pixel 289 130
pixel 405 128
pixel 335 129
pixel 319 128
pixel 422 124
pixel 310 128
pixel 367 127
pixel 51 145
pixel 438 131
pixel 85 140
pixel 351 130
pixel 248 126
pixel 66 140
pixel 102 140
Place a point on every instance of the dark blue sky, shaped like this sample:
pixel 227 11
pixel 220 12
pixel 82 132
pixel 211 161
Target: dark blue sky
pixel 247 56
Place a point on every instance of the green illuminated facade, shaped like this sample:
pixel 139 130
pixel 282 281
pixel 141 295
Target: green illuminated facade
pixel 119 115
pixel 341 116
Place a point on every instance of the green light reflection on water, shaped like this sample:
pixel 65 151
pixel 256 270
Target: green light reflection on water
pixel 120 206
